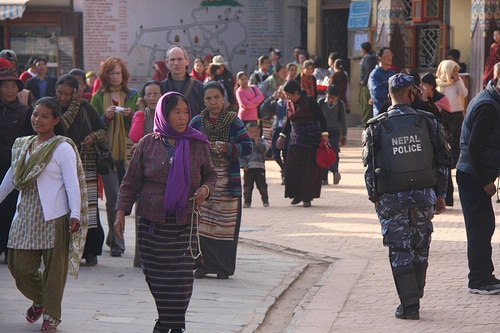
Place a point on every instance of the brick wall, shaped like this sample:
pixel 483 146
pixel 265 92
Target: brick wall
pixel 104 31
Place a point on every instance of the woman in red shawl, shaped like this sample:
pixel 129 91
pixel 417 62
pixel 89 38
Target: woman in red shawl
pixel 161 71
pixel 307 80
pixel 199 71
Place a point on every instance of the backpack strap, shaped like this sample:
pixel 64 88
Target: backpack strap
pixel 419 119
pixel 386 124
pixel 253 89
pixel 189 88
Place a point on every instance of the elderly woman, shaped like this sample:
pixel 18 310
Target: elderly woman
pixel 221 215
pixel 171 174
pixel 305 127
pixel 14 122
pixel 142 122
pixel 116 102
pixel 82 123
pixel 51 216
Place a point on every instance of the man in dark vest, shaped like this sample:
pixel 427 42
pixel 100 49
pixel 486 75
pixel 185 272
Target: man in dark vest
pixel 477 168
pixel 179 80
pixel 42 84
pixel 367 64
pixel 406 156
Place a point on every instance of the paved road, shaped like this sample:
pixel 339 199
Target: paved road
pixel 355 293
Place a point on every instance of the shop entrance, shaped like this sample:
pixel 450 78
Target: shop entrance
pixel 334 34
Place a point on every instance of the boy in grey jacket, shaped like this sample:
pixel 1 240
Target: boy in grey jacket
pixel 333 109
pixel 254 166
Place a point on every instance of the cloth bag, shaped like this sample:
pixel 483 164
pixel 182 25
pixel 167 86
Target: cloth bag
pixel 325 155
pixel 105 161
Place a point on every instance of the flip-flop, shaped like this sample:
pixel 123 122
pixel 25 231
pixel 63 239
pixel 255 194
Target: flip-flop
pixel 48 326
pixel 34 313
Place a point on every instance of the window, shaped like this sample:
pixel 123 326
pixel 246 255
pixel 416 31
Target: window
pixel 428 37
pixel 424 38
pixel 427 10
pixel 409 46
pixel 31 41
pixel 408 5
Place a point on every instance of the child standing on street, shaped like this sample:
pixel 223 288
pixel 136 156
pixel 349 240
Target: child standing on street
pixel 254 167
pixel 333 109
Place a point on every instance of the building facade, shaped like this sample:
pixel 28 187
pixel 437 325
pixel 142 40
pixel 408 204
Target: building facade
pixel 419 32
pixel 81 33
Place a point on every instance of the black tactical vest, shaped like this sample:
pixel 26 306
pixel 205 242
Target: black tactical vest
pixel 404 160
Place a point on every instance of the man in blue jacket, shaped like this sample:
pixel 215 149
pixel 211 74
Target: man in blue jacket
pixel 377 81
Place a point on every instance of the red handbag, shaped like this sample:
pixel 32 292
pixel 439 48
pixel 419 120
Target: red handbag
pixel 325 155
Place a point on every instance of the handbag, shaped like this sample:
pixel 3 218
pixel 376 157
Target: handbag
pixel 105 161
pixel 325 155
pixel 104 158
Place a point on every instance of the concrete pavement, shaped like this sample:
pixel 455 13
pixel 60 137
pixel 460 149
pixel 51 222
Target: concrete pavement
pixel 353 293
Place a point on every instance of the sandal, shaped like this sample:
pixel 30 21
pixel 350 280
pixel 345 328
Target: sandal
pixel 48 326
pixel 34 313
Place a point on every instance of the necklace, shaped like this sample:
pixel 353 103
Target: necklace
pixel 170 144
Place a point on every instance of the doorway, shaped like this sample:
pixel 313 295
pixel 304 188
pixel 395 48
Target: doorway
pixel 334 35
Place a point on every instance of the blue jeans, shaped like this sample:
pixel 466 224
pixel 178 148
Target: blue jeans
pixel 480 225
pixel 111 184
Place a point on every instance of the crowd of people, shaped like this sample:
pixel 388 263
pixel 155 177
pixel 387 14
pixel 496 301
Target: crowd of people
pixel 188 148
pixel 179 150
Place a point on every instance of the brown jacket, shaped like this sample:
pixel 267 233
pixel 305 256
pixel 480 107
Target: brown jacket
pixel 147 175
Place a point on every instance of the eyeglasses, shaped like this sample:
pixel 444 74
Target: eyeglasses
pixel 152 95
pixel 115 73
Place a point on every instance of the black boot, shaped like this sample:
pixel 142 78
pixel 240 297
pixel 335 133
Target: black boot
pixel 406 285
pixel 159 329
pixel 420 274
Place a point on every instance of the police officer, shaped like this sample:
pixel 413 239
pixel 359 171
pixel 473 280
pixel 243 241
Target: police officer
pixel 406 157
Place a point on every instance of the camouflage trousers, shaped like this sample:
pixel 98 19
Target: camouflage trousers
pixel 407 233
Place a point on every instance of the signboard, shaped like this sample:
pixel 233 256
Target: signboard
pixel 356 38
pixel 359 15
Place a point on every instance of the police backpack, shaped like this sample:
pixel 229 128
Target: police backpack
pixel 404 158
